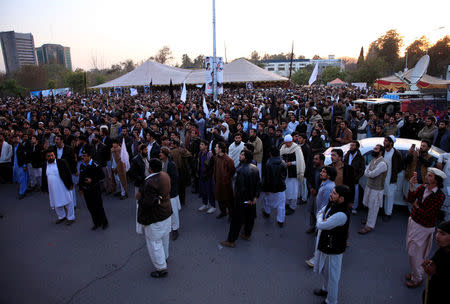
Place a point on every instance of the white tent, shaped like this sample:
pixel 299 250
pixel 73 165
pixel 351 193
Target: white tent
pixel 237 71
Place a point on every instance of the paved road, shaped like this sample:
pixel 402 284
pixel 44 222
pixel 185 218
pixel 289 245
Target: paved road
pixel 42 262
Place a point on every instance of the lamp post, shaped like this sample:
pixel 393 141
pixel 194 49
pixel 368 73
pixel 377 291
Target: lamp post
pixel 214 53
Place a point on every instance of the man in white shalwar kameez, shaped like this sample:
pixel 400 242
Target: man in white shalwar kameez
pixel 332 226
pixel 57 180
pixel 373 193
pixel 292 155
pixel 235 149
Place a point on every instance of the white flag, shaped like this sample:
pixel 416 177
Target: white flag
pixel 124 155
pixel 133 92
pixel 101 91
pixel 314 74
pixel 183 93
pixel 205 108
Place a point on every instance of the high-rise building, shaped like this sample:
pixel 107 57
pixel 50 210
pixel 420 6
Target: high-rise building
pixel 18 50
pixel 54 54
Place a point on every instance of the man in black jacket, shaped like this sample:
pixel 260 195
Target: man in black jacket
pixel 332 224
pixel 354 158
pixel 19 166
pixel 139 170
pixel 57 181
pixel 247 188
pixel 101 154
pixel 274 185
pixel 90 176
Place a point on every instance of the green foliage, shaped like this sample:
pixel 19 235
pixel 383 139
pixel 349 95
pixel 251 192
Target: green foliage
pixel 164 55
pixel 76 81
pixel 302 76
pixel 370 70
pixel 439 57
pixel 331 73
pixel 360 58
pixel 10 87
pixel 387 47
pixel 416 50
pixel 51 84
pixel 186 62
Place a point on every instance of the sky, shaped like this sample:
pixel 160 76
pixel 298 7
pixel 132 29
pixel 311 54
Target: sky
pixel 112 31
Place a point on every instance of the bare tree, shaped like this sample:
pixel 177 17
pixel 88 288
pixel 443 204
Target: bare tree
pixel 164 55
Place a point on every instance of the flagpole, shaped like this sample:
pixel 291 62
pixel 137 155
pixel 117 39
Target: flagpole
pixel 214 53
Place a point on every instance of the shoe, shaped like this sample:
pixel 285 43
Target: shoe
pixel 159 274
pixel 117 194
pixel 289 211
pixel 311 230
pixel 123 197
pixel 228 244
pixel 265 214
pixel 211 210
pixel 354 211
pixel 203 208
pixel 104 226
pixel 280 224
pixel 174 235
pixel 310 262
pixel 221 215
pixel 408 277
pixel 363 221
pixel 244 237
pixel 412 284
pixel 94 227
pixel 365 230
pixel 59 221
pixel 386 218
pixel 70 222
pixel 320 292
pixel 21 196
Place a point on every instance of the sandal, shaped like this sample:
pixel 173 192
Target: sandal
pixel 159 274
pixel 365 230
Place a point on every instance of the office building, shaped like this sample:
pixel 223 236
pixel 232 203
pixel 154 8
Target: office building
pixel 18 50
pixel 281 67
pixel 54 54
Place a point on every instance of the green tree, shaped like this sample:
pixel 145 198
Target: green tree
pixel 439 57
pixel 186 62
pixel 360 61
pixel 164 55
pixel 371 70
pixel 302 75
pixel 416 50
pixel 199 62
pixel 387 47
pixel 10 87
pixel 75 80
pixel 51 84
pixel 56 72
pixel 254 57
pixel 315 57
pixel 128 65
pixel 331 73
pixel 32 77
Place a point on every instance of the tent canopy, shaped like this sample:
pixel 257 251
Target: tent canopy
pixel 337 81
pixel 426 82
pixel 238 71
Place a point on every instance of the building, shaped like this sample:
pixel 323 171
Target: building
pixel 281 67
pixel 18 50
pixel 54 54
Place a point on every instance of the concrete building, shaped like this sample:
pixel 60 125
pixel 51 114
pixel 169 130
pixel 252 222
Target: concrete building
pixel 54 54
pixel 18 50
pixel 281 67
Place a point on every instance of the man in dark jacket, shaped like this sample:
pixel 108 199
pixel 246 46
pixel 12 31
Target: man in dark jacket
pixel 139 170
pixel 154 214
pixel 345 172
pixel 247 188
pixel 354 158
pixel 101 154
pixel 90 176
pixel 274 185
pixel 19 166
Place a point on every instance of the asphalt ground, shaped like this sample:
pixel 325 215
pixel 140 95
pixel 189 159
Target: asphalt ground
pixel 42 262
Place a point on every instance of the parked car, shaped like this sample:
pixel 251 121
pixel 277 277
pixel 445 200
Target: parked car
pixel 401 144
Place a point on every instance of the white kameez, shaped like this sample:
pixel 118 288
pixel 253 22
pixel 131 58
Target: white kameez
pixel 292 188
pixel 58 193
pixel 275 200
pixel 175 217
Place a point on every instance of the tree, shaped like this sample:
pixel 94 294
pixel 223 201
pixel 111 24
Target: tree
pixel 56 72
pixel 302 75
pixel 331 73
pixel 51 84
pixel 360 61
pixel 280 56
pixel 164 55
pixel 301 57
pixel 254 57
pixel 75 80
pixel 439 57
pixel 416 50
pixel 127 65
pixel 315 57
pixel 10 87
pixel 371 70
pixel 388 48
pixel 199 62
pixel 32 77
pixel 186 62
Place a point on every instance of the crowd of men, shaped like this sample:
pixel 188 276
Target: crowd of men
pixel 263 146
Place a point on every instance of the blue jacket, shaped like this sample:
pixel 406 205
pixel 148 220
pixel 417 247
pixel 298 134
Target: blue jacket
pixel 445 140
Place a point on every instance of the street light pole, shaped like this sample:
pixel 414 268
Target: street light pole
pixel 214 66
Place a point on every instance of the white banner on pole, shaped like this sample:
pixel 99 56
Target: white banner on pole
pixel 183 93
pixel 209 75
pixel 133 92
pixel 205 108
pixel 314 74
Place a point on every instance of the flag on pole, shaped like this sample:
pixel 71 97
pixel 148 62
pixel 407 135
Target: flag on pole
pixel 171 90
pixel 183 93
pixel 101 91
pixel 314 74
pixel 205 108
pixel 124 155
pixel 133 92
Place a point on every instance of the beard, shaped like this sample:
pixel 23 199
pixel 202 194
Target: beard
pixel 51 161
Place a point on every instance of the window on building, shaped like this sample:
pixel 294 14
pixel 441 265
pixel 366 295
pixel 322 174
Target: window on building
pixel 281 67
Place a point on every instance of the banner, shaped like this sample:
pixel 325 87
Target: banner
pixel 249 86
pixel 314 74
pixel 133 92
pixel 210 74
pixel 183 93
